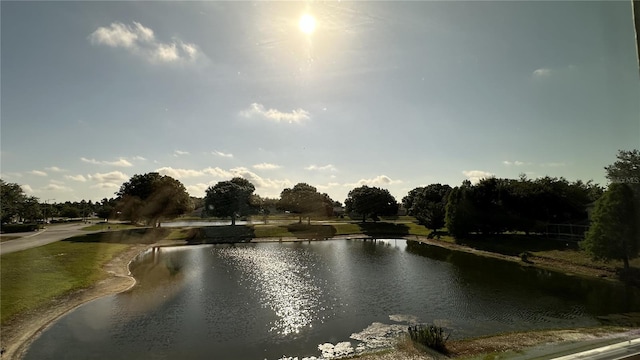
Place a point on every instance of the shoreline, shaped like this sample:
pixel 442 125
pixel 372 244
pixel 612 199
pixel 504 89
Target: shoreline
pixel 20 333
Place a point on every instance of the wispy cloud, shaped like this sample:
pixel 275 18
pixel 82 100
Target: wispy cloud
pixel 79 178
pixel 38 173
pixel 57 187
pixel 541 73
pixel 55 169
pixel 513 163
pixel 259 111
pixel 221 154
pixel 141 41
pixel 120 162
pixel 180 153
pixel 27 189
pixel 476 175
pixel 266 166
pixel 328 167
pixel 138 157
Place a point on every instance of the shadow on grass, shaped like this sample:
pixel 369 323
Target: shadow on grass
pixel 311 232
pixel 220 234
pixel 384 229
pixel 515 244
pixel 130 236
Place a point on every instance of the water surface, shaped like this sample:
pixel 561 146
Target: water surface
pixel 269 300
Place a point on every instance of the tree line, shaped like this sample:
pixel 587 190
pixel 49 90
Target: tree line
pixel 492 206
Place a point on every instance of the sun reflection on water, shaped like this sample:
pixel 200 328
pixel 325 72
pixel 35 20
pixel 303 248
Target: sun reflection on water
pixel 285 283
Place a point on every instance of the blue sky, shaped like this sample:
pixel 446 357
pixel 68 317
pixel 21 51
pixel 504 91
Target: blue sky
pixel 389 94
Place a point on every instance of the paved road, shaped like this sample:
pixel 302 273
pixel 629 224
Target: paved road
pixel 42 237
pixel 624 350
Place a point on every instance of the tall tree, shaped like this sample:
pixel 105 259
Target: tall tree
pixel 370 202
pixel 459 211
pixel 231 198
pixel 613 233
pixel 427 204
pixel 12 198
pixel 626 169
pixel 151 197
pixel 305 200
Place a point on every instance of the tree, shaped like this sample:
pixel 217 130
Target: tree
pixel 626 169
pixel 613 233
pixel 12 198
pixel 427 204
pixel 459 211
pixel 370 202
pixel 30 209
pixel 231 198
pixel 305 200
pixel 151 197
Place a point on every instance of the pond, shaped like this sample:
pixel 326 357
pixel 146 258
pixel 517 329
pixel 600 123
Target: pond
pixel 274 300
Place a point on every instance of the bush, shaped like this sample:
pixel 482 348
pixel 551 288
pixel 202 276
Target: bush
pixel 16 228
pixel 430 336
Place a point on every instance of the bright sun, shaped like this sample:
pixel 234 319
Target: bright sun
pixel 307 24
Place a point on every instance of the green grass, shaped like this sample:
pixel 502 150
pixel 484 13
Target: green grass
pixel 108 226
pixel 32 277
pixel 266 231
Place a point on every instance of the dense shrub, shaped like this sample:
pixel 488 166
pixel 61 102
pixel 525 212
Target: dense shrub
pixel 16 228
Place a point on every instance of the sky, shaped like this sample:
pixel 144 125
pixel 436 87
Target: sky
pixel 389 94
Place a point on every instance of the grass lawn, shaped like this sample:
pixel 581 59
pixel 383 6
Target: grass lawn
pixel 32 277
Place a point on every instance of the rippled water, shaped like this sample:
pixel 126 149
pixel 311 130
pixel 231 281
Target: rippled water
pixel 331 298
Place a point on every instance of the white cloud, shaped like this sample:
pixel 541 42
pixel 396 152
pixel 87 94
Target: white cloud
pixel 38 173
pixel 258 110
pixel 57 187
pixel 542 73
pixel 138 157
pixel 57 182
pixel 217 172
pixel 258 181
pixel 381 180
pixel 180 152
pixel 198 189
pixel 79 178
pixel 266 166
pixel 120 162
pixel 27 188
pixel 220 153
pixel 476 175
pixel 55 169
pixel 111 179
pixel 515 163
pixel 141 40
pixel 179 173
pixel 327 167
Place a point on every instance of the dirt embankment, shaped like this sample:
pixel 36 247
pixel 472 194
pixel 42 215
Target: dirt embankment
pixel 18 333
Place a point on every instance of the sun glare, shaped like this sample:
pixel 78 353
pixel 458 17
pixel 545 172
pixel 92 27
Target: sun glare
pixel 307 24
